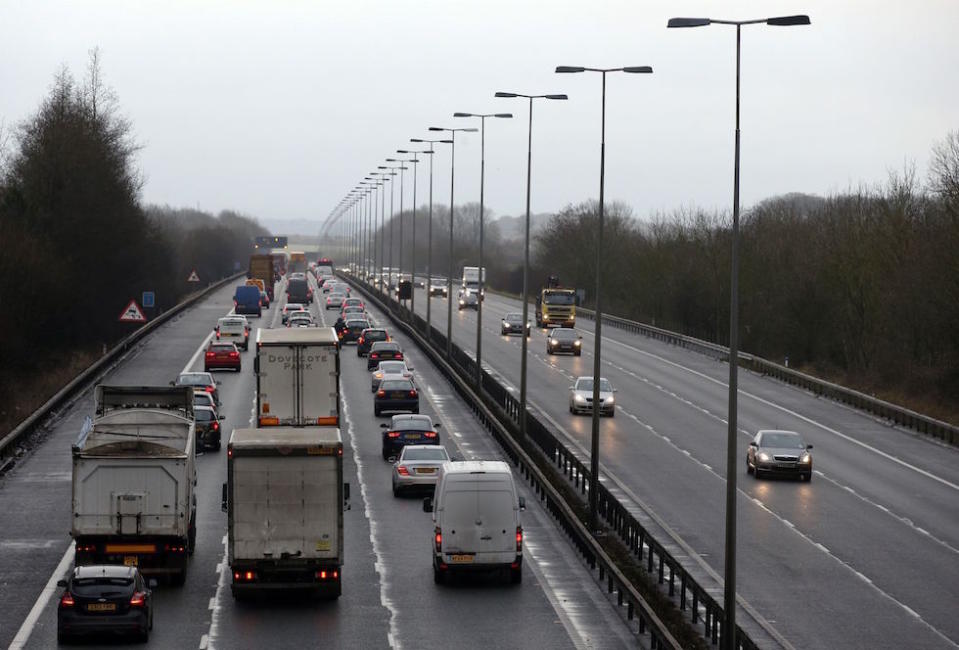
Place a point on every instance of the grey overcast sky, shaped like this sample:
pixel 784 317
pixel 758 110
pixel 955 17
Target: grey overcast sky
pixel 278 108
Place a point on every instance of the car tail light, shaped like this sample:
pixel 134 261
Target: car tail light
pixel 381 393
pixel 412 393
pixel 216 426
pixel 210 354
pixel 438 539
pixel 392 434
pixel 138 599
pixel 217 336
pixel 359 341
pixel 234 354
pixel 209 389
pixel 430 434
pixel 519 539
pixel 398 356
pixel 402 470
pixel 66 600
pixel 375 355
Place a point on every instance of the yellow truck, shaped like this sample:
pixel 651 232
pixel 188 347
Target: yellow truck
pixel 555 305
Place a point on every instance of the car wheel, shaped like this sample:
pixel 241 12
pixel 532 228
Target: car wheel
pixel 808 477
pixel 757 473
pixel 571 409
pixel 438 576
pixel 376 411
pixel 579 353
pixel 144 635
pixel 206 369
pixel 749 469
pixel 64 639
pixel 396 491
pixel 612 413
pixel 516 575
pixel 178 579
pixel 239 368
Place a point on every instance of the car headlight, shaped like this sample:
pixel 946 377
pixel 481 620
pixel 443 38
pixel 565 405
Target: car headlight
pixel 577 343
pixel 763 456
pixel 609 400
pixel 462 302
pixel 553 341
pixel 805 459
pixel 579 399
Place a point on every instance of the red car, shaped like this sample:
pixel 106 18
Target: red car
pixel 221 355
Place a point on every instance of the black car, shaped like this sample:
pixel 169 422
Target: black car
pixel 513 324
pixel 564 339
pixel 383 351
pixel 208 433
pixel 353 330
pixel 368 337
pixel 105 599
pixel 408 430
pixel 779 452
pixel 396 395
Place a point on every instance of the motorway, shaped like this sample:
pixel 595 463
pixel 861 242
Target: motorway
pixel 389 599
pixel 866 555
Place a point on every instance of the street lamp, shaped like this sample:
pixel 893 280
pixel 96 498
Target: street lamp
pixel 597 349
pixel 449 280
pixel 429 244
pixel 479 298
pixel 399 275
pixel 728 640
pixel 415 161
pixel 529 178
pixel 393 173
pixel 387 176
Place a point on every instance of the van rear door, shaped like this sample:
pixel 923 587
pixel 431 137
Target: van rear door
pixel 496 531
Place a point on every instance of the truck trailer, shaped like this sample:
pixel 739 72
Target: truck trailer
pixel 284 498
pixel 297 377
pixel 134 476
pixel 261 268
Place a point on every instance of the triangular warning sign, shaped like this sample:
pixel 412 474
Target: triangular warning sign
pixel 193 277
pixel 132 314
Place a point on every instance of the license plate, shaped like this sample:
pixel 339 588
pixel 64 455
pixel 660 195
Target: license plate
pixel 130 560
pixel 102 607
pixel 399 395
pixel 412 436
pixel 425 470
pixel 461 559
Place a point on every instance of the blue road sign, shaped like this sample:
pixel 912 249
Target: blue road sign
pixel 149 299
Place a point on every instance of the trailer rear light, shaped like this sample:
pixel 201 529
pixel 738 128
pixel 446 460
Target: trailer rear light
pixel 519 538
pixel 269 421
pixel 381 393
pixel 430 434
pixel 66 600
pixel 438 539
pixel 393 434
pixel 86 548
pixel 229 451
pixel 402 470
pixel 174 548
pixel 244 576
pixel 138 599
pixel 327 575
pixel 327 421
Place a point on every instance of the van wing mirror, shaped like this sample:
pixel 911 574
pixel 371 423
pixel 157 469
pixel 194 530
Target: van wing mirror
pixel 223 498
pixel 384 426
pixel 522 503
pixel 61 583
pixel 427 504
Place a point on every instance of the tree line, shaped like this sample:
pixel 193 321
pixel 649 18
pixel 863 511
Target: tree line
pixel 77 243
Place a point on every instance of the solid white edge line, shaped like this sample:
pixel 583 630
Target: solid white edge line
pixel 23 634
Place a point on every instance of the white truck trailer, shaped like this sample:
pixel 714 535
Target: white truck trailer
pixel 134 475
pixel 284 499
pixel 297 377
pixel 471 280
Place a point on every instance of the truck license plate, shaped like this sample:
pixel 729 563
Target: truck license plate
pixel 462 559
pixel 130 560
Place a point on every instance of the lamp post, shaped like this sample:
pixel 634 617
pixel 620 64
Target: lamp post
pixel 597 349
pixel 482 279
pixel 371 235
pixel 402 168
pixel 529 178
pixel 449 280
pixel 387 176
pixel 393 173
pixel 415 161
pixel 728 640
pixel 429 244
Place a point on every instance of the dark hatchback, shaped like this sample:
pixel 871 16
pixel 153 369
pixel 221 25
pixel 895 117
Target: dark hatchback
pixel 408 430
pixel 208 430
pixel 564 339
pixel 104 599
pixel 383 351
pixel 396 395
pixel 368 337
pixel 353 330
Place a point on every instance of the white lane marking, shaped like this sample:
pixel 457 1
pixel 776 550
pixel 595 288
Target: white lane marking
pixel 26 629
pixel 379 565
pixel 208 640
pixel 204 641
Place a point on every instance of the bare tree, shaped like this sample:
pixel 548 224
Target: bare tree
pixel 944 170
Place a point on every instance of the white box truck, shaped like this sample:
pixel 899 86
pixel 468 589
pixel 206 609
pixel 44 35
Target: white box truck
pixel 297 377
pixel 134 475
pixel 284 499
pixel 471 281
pixel 476 520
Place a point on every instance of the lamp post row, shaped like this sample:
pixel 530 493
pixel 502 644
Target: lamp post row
pixel 729 637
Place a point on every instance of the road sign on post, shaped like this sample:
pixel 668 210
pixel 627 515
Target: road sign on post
pixel 193 277
pixel 132 314
pixel 148 299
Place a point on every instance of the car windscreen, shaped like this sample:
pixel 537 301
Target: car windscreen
pixel 565 335
pixel 386 345
pixel 192 380
pixel 782 441
pixel 396 384
pixel 102 587
pixel 375 335
pixel 392 367
pixel 425 454
pixel 559 298
pixel 203 415
pixel 357 324
pixel 233 323
pixel 587 384
pixel 412 424
pixel 219 347
pixel 513 318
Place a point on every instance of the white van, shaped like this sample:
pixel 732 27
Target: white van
pixel 476 524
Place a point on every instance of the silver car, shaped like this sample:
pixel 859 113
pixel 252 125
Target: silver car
pixel 468 300
pixel 335 300
pixel 581 396
pixel 439 287
pixel 779 452
pixel 397 369
pixel 418 466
